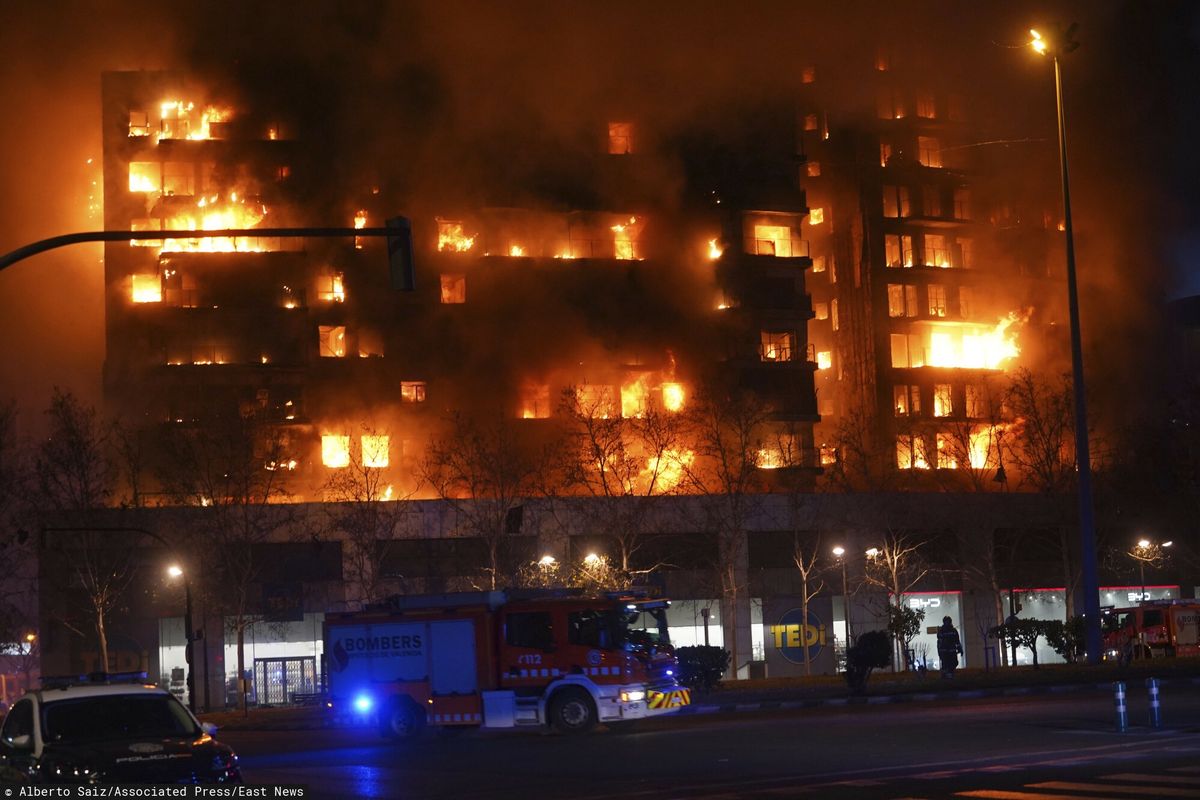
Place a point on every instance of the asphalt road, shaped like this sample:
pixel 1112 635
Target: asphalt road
pixel 1026 748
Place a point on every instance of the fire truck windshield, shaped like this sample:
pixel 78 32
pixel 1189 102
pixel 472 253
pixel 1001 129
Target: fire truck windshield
pixel 643 627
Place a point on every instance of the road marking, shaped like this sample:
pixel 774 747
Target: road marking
pixel 1184 769
pixel 1002 794
pixel 1148 778
pixel 1154 791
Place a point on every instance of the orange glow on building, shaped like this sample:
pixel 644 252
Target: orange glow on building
pixel 146 289
pixel 335 451
pixel 452 238
pixel 375 451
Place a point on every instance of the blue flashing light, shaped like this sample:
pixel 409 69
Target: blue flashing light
pixel 362 703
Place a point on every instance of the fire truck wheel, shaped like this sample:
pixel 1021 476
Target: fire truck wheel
pixel 402 719
pixel 572 711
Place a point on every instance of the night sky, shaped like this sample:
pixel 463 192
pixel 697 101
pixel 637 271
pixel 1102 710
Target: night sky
pixel 387 86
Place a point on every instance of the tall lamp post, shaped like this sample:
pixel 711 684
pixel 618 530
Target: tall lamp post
pixel 1056 43
pixel 1147 552
pixel 189 636
pixel 839 552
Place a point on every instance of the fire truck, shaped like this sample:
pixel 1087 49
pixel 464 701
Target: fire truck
pixel 503 659
pixel 1153 629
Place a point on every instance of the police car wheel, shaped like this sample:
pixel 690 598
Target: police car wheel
pixel 402 720
pixel 572 711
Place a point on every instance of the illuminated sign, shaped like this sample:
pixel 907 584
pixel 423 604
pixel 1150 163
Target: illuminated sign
pixel 794 636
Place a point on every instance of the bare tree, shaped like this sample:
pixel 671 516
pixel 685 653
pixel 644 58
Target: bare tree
pixel 73 475
pixel 896 566
pixel 235 468
pixel 621 462
pixel 807 556
pixel 865 463
pixel 731 433
pixel 363 504
pixel 485 473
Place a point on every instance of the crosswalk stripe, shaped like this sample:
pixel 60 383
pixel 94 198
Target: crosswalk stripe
pixel 1003 794
pixel 1147 778
pixel 1154 791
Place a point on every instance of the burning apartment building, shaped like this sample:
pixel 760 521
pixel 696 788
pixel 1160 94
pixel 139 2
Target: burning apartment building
pixel 819 279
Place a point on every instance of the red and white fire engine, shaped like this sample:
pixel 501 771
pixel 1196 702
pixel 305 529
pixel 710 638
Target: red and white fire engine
pixel 503 659
pixel 1153 629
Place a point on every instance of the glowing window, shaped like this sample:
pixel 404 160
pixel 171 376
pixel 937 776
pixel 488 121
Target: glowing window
pixel 331 288
pixel 773 240
pixel 911 452
pixel 821 310
pixel 147 289
pixel 824 359
pixel 139 123
pixel 895 202
pixel 535 401
pixel 899 343
pixel 962 203
pixel 335 451
pixel 178 179
pixel 777 346
pixel 907 400
pixel 925 105
pixel 885 153
pixel 946 458
pixel 902 300
pixel 818 264
pixel 454 289
pixel 898 250
pixel 966 253
pixel 412 391
pixel 937 254
pixel 833 314
pixel 145 176
pixel 672 396
pixel 333 341
pixel 811 122
pixel 808 75
pixel 597 400
pixel 932 201
pixel 943 404
pixel 620 138
pixel 929 151
pixel 890 104
pixel 816 216
pixel 452 237
pixel 937 300
pixel 966 301
pixel 813 169
pixel 975 402
pixel 374 452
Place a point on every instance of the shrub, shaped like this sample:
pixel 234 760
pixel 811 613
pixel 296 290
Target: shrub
pixel 702 667
pixel 1022 632
pixel 872 651
pixel 1067 638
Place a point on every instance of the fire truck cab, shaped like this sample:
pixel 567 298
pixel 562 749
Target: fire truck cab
pixel 1153 629
pixel 503 659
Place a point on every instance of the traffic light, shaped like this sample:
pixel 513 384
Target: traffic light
pixel 400 253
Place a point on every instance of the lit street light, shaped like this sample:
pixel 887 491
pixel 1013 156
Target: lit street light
pixel 839 552
pixel 1055 43
pixel 1148 552
pixel 189 636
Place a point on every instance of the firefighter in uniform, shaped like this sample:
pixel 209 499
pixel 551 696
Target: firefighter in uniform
pixel 949 646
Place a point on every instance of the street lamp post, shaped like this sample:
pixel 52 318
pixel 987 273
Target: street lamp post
pixel 840 553
pixel 1057 43
pixel 189 636
pixel 1147 552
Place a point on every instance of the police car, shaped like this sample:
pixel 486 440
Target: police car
pixel 109 729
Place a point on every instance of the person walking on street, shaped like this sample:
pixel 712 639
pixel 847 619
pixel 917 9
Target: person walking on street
pixel 949 646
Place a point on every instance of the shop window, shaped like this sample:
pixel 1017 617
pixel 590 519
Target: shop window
pixel 932 200
pixel 454 289
pixel 335 451
pixel 412 391
pixel 943 405
pixel 332 341
pixel 816 216
pixel 620 138
pixel 898 250
pixel 929 151
pixel 895 202
pixel 937 300
pixel 777 346
pixel 936 252
pixel 374 451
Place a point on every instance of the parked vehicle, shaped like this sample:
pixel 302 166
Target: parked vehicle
pixel 1153 629
pixel 503 659
pixel 109 729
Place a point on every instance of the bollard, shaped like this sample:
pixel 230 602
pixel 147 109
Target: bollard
pixel 1122 714
pixel 1155 711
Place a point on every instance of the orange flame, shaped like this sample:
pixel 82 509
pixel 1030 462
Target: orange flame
pixel 714 249
pixel 973 347
pixel 673 396
pixel 452 238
